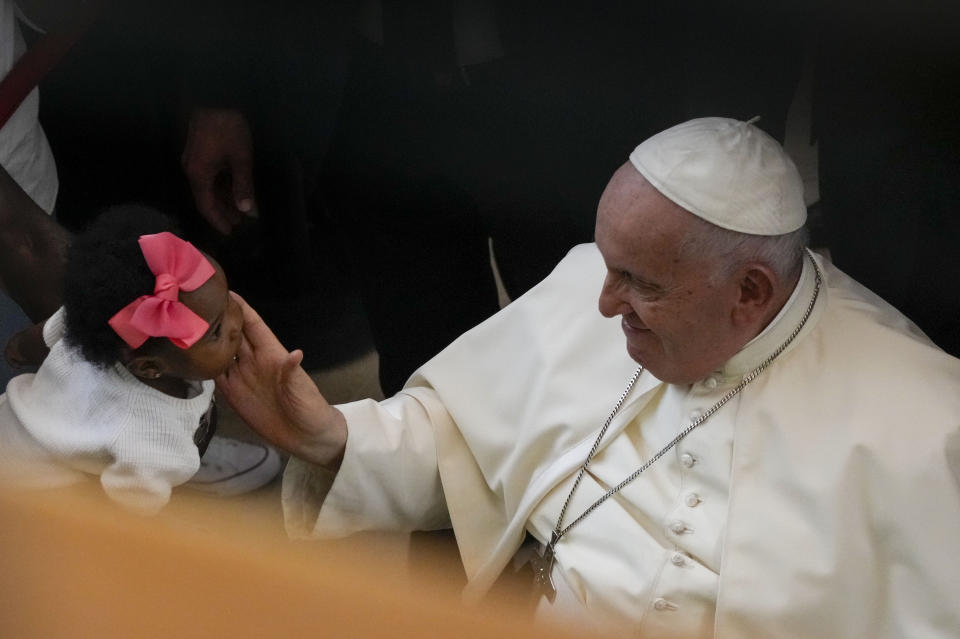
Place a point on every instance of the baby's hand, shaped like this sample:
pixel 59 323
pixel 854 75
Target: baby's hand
pixel 26 348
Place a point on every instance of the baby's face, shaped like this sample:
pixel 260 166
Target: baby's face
pixel 213 353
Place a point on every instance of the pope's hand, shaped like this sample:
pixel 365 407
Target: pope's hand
pixel 271 392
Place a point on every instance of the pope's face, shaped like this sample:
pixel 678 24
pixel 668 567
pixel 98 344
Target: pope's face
pixel 677 319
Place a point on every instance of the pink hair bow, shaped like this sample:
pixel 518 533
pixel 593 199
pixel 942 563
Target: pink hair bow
pixel 179 266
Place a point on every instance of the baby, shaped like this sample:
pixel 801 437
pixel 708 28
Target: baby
pixel 125 391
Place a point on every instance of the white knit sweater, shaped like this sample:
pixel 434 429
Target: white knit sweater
pixel 72 419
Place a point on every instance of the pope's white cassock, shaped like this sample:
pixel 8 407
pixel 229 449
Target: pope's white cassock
pixel 816 503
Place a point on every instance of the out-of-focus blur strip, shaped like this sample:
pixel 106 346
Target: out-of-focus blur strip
pixel 73 565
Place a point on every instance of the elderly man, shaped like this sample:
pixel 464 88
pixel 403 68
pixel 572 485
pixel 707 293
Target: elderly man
pixel 775 466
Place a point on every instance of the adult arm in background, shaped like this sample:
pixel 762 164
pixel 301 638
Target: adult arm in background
pixel 218 162
pixel 224 75
pixel 27 348
pixel 33 252
pixel 261 67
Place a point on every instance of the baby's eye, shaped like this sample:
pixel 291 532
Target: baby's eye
pixel 215 333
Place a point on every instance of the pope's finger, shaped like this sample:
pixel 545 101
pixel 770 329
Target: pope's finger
pixel 227 380
pixel 245 364
pixel 233 373
pixel 235 383
pixel 295 358
pixel 245 351
pixel 248 313
pixel 255 329
pixel 290 364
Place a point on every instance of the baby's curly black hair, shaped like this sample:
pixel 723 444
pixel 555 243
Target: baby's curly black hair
pixel 106 271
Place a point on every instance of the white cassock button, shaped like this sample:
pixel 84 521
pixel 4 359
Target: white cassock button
pixel 695 414
pixel 678 527
pixel 678 559
pixel 662 604
pixel 688 460
pixel 692 500
pixel 710 382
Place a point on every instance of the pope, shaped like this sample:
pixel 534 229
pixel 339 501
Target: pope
pixel 742 442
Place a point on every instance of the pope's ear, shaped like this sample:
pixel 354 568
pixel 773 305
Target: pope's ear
pixel 757 287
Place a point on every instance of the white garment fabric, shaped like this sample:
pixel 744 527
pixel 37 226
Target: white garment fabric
pixel 828 507
pixel 24 150
pixel 669 523
pixel 72 419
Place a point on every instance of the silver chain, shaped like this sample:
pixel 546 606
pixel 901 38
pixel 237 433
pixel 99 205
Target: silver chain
pixel 559 531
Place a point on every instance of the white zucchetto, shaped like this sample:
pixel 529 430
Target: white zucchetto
pixel 727 172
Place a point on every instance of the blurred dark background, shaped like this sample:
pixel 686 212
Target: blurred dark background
pixel 395 141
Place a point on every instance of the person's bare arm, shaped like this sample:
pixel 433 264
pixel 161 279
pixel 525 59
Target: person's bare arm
pixel 272 393
pixel 218 162
pixel 27 347
pixel 33 252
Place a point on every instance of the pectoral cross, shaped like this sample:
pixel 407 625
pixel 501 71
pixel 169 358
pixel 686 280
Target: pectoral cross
pixel 542 565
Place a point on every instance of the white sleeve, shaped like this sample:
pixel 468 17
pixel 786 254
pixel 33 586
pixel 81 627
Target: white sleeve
pixel 146 466
pixel 54 327
pixel 953 454
pixel 389 478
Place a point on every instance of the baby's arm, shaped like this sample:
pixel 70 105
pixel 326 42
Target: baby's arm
pixel 146 467
pixel 139 488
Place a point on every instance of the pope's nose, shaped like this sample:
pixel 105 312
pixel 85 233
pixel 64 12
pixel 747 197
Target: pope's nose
pixel 610 303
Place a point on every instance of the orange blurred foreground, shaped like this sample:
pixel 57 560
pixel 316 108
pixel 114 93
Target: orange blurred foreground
pixel 73 565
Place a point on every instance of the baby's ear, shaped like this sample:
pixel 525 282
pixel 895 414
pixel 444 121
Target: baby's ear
pixel 145 366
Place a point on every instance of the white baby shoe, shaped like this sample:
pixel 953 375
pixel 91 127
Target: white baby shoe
pixel 230 467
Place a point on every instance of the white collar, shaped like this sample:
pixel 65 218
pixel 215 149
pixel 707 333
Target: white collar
pixel 776 332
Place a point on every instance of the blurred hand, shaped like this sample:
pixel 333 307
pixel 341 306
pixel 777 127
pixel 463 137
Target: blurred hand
pixel 26 348
pixel 218 162
pixel 269 389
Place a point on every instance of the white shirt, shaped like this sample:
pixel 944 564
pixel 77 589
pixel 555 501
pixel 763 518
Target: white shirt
pixel 24 150
pixel 72 419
